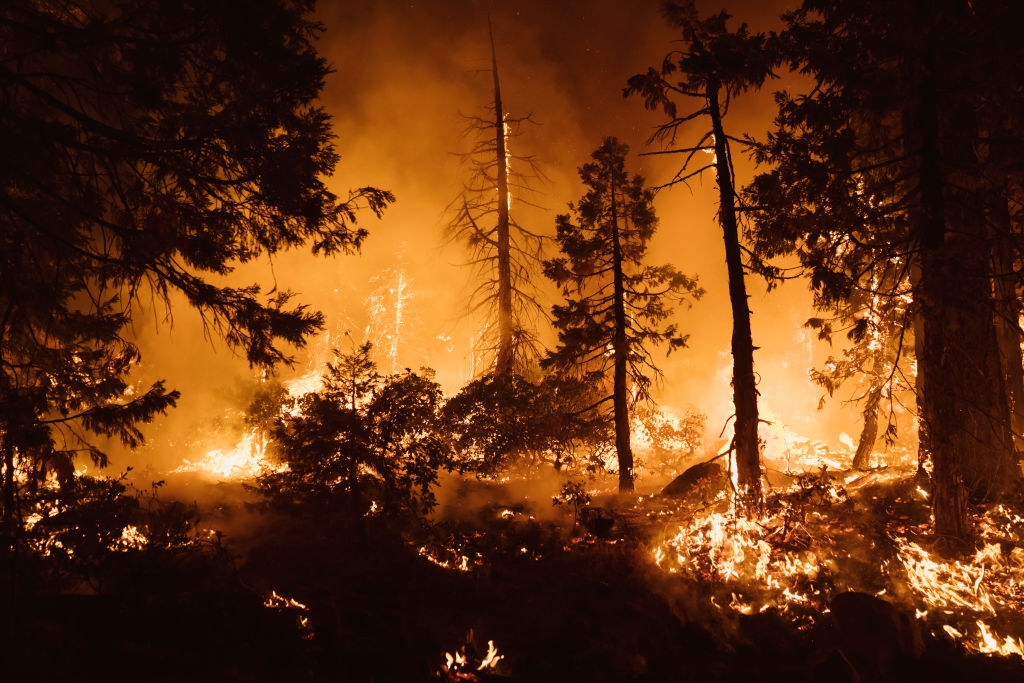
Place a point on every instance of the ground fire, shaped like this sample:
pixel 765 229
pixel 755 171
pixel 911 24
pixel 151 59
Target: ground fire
pixel 463 341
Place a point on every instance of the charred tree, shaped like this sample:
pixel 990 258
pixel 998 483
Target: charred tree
pixel 715 65
pixel 616 306
pixel 504 355
pixel 505 254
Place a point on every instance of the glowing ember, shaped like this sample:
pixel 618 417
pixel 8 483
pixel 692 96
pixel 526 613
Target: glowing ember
pixel 279 603
pixel 275 601
pixel 457 563
pixel 722 548
pixel 131 539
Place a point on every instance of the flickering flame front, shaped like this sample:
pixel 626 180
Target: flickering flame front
pixel 458 562
pixel 245 461
pixel 131 539
pixel 279 603
pixel 721 547
pixel 967 598
pixel 458 663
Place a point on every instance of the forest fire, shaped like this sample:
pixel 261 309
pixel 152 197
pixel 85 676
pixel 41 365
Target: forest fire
pixel 318 357
pixel 763 565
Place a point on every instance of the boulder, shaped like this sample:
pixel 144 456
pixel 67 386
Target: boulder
pixel 710 473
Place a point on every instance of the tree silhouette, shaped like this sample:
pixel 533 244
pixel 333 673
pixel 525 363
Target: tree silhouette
pixel 150 146
pixel 362 441
pixel 713 66
pixel 906 178
pixel 616 306
pixel 504 254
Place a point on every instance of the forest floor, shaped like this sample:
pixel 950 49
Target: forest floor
pixel 839 582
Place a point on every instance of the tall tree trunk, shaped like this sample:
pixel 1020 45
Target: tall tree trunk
pixel 1007 309
pixel 924 448
pixel 939 408
pixel 505 354
pixel 620 346
pixel 964 399
pixel 747 447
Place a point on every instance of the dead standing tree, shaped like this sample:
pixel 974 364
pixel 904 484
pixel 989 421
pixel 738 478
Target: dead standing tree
pixel 505 255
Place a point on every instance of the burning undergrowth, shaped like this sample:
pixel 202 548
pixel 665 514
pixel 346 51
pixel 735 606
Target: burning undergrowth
pixel 826 535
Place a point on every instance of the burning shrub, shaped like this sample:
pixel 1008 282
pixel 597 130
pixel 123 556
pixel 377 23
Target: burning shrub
pixel 362 444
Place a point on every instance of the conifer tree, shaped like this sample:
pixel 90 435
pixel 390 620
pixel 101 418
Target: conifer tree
pixel 616 306
pixel 713 65
pixel 149 147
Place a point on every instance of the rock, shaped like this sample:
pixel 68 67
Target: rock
pixel 709 473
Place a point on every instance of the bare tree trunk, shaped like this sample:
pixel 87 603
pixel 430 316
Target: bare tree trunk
pixel 620 346
pixel 964 402
pixel 504 357
pixel 924 449
pixel 1007 310
pixel 869 434
pixel 748 455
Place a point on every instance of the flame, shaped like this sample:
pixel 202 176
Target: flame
pixel 971 593
pixel 131 539
pixel 277 601
pixel 456 663
pixel 944 585
pixel 460 564
pixel 990 644
pixel 491 658
pixel 722 547
pixel 246 460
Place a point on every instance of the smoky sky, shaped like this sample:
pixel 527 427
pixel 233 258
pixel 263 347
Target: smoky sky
pixel 404 75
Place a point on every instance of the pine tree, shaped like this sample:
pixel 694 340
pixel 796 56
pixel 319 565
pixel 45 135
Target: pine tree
pixel 616 306
pixel 712 66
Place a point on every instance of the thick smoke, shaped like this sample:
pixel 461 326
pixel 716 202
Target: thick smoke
pixel 404 74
